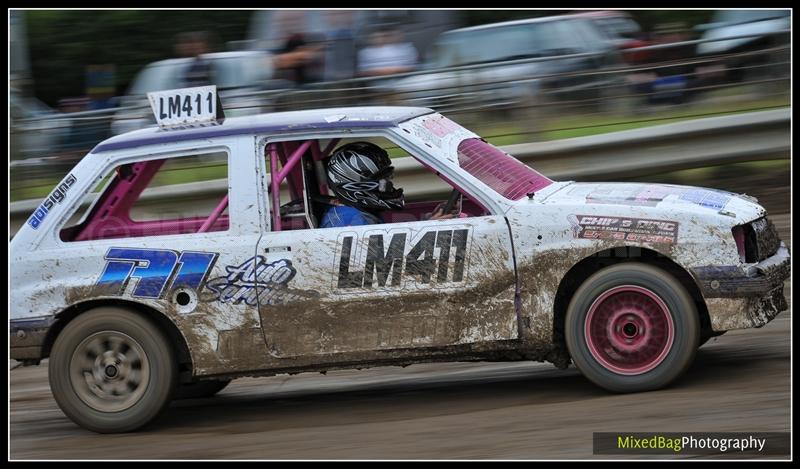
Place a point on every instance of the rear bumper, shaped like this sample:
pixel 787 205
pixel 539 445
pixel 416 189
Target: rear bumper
pixel 27 337
pixel 745 297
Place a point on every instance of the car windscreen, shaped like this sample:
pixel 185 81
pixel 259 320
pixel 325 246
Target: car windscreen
pixel 236 72
pixel 529 40
pixel 158 77
pixel 744 16
pixel 500 171
pixel 618 26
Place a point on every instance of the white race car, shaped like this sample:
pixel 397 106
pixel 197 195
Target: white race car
pixel 626 280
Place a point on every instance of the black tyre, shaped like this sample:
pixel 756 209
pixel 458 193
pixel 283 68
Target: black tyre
pixel 112 370
pixel 200 389
pixel 632 327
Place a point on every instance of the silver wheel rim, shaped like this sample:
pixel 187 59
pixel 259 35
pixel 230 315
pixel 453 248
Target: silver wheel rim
pixel 109 371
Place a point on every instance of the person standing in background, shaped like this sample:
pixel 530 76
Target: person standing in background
pixel 387 54
pixel 199 72
pixel 300 60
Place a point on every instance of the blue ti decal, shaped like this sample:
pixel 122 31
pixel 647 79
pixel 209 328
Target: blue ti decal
pixel 115 276
pixel 154 268
pixel 193 268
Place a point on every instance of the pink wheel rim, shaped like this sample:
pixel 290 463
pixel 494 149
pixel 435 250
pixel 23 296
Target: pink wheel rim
pixel 629 330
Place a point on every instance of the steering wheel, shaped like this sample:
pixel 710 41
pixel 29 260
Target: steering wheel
pixel 455 195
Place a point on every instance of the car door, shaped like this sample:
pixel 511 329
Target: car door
pixel 387 287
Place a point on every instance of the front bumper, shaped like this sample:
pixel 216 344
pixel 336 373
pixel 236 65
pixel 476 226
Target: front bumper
pixel 27 338
pixel 745 297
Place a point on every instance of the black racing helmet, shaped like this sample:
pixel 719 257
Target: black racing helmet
pixel 361 173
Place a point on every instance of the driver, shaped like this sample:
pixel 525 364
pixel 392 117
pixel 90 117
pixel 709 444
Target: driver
pixel 360 175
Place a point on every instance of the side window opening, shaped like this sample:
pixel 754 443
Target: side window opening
pixel 130 201
pixel 304 197
pixel 296 169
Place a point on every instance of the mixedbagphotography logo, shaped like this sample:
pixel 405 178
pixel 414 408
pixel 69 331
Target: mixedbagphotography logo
pixel 766 443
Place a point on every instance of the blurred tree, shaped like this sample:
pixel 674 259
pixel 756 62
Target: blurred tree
pixel 62 43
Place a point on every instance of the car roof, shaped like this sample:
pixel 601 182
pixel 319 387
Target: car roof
pixel 364 117
pixel 543 19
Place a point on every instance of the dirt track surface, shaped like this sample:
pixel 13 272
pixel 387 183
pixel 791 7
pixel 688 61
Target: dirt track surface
pixel 739 382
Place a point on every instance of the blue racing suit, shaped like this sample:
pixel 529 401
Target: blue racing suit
pixel 342 215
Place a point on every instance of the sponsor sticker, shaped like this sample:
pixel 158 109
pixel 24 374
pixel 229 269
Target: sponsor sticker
pixel 638 195
pixel 56 197
pixel 154 270
pixel 641 230
pixel 440 133
pixel 257 282
pixel 712 199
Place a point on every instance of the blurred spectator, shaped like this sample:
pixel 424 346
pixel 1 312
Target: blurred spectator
pixel 387 54
pixel 300 59
pixel 100 80
pixel 340 55
pixel 199 72
pixel 76 134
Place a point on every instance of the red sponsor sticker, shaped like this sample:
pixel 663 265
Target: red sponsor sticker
pixel 641 230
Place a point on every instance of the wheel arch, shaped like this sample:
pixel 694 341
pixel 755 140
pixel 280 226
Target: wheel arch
pixel 176 337
pixel 590 264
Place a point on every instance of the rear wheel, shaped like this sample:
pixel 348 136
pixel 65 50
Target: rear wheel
pixel 632 327
pixel 112 370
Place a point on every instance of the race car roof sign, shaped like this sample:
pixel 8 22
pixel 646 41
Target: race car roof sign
pixel 186 106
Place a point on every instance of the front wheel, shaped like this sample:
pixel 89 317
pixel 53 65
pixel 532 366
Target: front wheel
pixel 112 370
pixel 632 327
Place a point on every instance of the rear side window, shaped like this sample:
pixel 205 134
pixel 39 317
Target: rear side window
pixel 133 201
pixel 503 173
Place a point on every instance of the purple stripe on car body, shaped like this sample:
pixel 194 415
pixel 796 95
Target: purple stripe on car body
pixel 170 137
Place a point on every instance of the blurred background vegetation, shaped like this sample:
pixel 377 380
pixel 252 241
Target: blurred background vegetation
pixel 62 43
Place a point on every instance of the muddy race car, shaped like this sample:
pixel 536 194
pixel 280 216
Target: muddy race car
pixel 174 259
